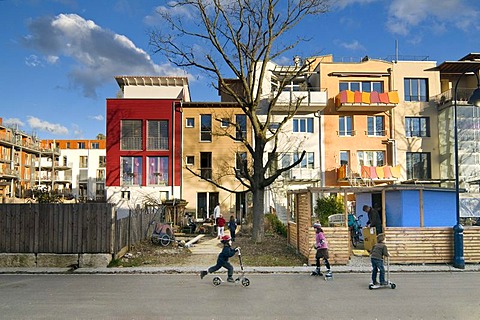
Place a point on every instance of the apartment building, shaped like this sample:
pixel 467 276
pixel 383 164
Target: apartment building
pixel 462 75
pixel 144 141
pixel 26 163
pixel 210 152
pixel 81 167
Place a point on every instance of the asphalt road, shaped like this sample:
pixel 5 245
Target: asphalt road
pixel 439 295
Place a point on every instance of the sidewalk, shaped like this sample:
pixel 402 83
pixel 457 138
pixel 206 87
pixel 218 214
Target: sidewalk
pixel 210 248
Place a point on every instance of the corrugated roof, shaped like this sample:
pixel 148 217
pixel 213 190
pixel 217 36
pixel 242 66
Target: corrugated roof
pixel 457 67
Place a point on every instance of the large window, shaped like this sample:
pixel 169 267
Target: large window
pixel 83 162
pixel 363 86
pixel 376 126
pixel 157 135
pixel 303 125
pixel 157 171
pixel 131 169
pixel 308 160
pixel 131 135
pixel 418 165
pixel 415 89
pixel 206 165
pixel 102 161
pixel 371 158
pixel 206 127
pixel 417 126
pixel 344 158
pixel 345 126
pixel 241 128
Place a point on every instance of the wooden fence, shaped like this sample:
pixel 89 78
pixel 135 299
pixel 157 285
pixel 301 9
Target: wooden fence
pixel 70 228
pixel 406 245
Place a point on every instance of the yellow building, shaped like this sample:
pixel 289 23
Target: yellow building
pixel 210 152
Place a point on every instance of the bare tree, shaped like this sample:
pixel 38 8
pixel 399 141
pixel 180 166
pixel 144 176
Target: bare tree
pixel 237 39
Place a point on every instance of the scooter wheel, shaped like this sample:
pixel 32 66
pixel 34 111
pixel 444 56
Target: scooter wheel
pixel 245 282
pixel 393 285
pixel 370 286
pixel 217 281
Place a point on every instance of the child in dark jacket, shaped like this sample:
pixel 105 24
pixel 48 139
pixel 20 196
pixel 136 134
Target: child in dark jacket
pixel 232 226
pixel 379 251
pixel 222 260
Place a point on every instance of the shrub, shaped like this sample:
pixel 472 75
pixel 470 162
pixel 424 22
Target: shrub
pixel 327 206
pixel 272 222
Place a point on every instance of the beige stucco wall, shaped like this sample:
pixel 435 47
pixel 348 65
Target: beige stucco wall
pixel 416 69
pixel 223 151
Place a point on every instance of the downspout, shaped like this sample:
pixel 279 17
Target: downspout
pixel 392 121
pixel 173 149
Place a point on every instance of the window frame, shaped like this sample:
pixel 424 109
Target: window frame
pixel 410 169
pixel 410 124
pixel 413 89
pixel 303 125
pixel 205 128
pixel 376 132
pixel 346 132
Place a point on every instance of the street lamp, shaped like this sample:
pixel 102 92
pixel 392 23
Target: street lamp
pixel 458 258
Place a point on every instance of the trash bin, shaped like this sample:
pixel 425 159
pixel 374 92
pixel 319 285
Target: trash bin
pixel 369 238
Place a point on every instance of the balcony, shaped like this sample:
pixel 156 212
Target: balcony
pixel 373 101
pixel 301 175
pixel 312 101
pixel 370 173
pixel 445 99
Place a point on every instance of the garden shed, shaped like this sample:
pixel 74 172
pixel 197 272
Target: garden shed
pixel 417 220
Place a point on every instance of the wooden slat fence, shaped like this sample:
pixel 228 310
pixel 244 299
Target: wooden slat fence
pixel 70 228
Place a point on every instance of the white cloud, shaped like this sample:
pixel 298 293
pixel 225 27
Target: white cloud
pixel 13 123
pixel 99 54
pixel 407 14
pixel 33 61
pixel 98 117
pixel 42 125
pixel 353 45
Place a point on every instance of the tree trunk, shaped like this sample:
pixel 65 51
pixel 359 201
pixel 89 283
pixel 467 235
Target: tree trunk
pixel 258 232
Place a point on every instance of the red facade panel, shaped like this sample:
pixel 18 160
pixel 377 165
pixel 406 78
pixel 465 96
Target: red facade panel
pixel 143 109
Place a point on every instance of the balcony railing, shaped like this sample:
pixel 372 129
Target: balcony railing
pixel 445 98
pixel 157 143
pixel 312 101
pixel 131 143
pixel 348 100
pixel 369 172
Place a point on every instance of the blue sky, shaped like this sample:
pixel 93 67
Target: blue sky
pixel 59 57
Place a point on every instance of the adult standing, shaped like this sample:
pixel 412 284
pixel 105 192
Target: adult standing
pixel 216 213
pixel 373 218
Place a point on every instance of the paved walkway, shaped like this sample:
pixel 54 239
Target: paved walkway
pixel 210 248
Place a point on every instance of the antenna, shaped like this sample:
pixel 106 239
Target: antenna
pixel 396 51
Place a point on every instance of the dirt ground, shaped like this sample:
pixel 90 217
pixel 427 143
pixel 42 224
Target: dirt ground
pixel 274 251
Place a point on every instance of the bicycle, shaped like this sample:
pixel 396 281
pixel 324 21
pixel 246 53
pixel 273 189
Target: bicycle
pixel 355 228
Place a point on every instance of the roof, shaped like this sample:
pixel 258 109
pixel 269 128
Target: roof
pixel 151 81
pixel 457 67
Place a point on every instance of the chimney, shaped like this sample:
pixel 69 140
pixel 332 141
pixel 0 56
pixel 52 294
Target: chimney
pixel 298 61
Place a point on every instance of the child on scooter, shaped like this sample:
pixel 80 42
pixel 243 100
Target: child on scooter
pixel 222 260
pixel 379 251
pixel 322 250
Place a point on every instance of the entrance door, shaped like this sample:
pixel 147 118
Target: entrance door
pixel 240 206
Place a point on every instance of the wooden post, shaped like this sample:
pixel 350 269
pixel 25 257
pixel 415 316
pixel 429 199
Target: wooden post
pixel 384 215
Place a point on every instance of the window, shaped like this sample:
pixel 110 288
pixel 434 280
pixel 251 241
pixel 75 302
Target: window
pixel 190 160
pixel 131 169
pixel 157 135
pixel 303 125
pixel 225 122
pixel 95 145
pixel 345 126
pixel 68 145
pixel 415 89
pixel 308 160
pixel 417 126
pixel 190 122
pixel 206 165
pixel 100 174
pixel 371 158
pixel 418 165
pixel 83 162
pixel 241 127
pixel 363 86
pixel 100 191
pixel 157 171
pixel 241 162
pixel 80 145
pixel 131 135
pixel 206 127
pixel 344 158
pixel 102 161
pixel 376 126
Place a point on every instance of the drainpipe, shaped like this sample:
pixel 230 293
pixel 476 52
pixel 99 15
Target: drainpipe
pixel 392 121
pixel 320 149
